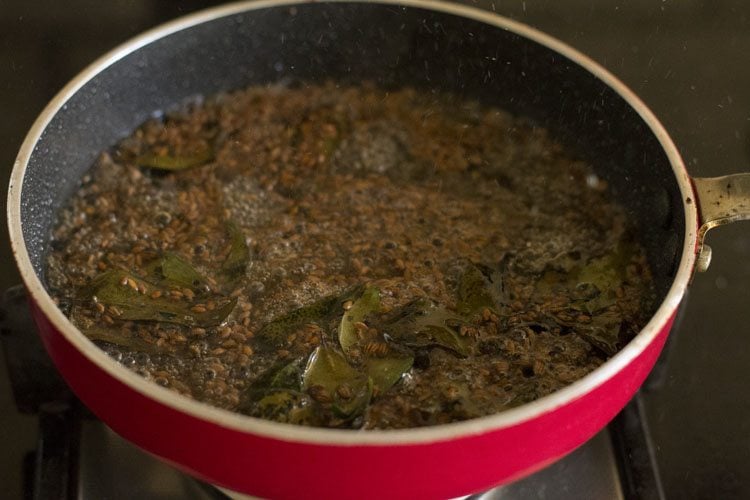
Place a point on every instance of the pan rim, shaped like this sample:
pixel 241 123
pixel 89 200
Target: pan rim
pixel 337 437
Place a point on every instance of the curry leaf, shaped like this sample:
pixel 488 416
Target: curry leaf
pixel 354 406
pixel 327 370
pixel 175 162
pixel 604 332
pixel 283 405
pixel 385 372
pixel 428 335
pixel 122 290
pixel 171 270
pixel 591 284
pixel 119 339
pixel 609 268
pixel 98 333
pixel 281 376
pixel 277 395
pixel 600 302
pixel 604 274
pixel 477 290
pixel 367 303
pixel 424 324
pixel 239 253
pixel 275 333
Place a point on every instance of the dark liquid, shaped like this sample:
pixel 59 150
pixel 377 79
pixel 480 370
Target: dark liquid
pixel 502 270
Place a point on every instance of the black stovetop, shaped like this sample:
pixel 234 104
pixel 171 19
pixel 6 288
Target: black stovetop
pixel 687 59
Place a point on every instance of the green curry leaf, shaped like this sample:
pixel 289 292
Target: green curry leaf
pixel 239 254
pixel 170 270
pixel 94 331
pixel 277 395
pixel 385 372
pixel 591 283
pixel 281 376
pixel 423 324
pixel 603 332
pixel 367 303
pixel 283 405
pixel 117 338
pixel 327 370
pixel 477 290
pixel 113 288
pixel 275 333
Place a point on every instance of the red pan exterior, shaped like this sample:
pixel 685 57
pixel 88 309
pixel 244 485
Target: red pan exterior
pixel 273 468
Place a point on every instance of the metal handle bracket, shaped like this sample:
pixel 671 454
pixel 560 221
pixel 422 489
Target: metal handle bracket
pixel 721 200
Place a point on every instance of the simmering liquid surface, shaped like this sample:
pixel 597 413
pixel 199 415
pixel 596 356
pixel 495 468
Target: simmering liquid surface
pixel 349 257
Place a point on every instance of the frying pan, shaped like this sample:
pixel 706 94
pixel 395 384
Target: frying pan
pixel 423 44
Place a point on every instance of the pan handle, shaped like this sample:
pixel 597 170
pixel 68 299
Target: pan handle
pixel 720 200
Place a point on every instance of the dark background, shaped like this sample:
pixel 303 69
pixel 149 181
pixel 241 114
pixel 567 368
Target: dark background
pixel 690 62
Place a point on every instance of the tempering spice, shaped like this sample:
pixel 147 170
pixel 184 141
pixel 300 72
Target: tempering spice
pixel 349 257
